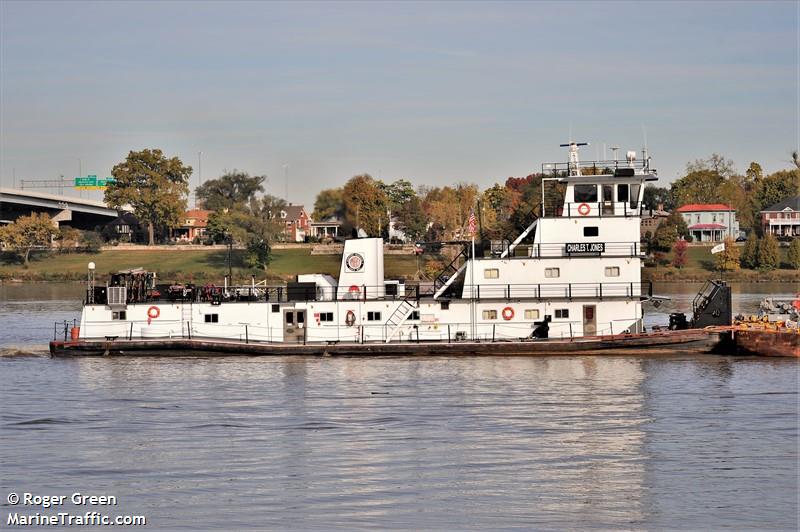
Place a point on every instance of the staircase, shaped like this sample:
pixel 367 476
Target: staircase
pixel 522 236
pixel 450 274
pixel 399 316
pixel 712 305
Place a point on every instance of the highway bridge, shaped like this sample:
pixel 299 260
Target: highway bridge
pixel 67 210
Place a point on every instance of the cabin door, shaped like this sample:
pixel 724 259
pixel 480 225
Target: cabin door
pixel 589 320
pixel 608 200
pixel 294 325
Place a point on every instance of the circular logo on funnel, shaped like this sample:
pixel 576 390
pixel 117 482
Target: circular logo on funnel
pixel 354 262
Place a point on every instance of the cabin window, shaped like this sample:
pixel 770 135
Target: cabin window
pixel 211 318
pixel 444 305
pixel 591 231
pixel 373 316
pixel 326 316
pixel 491 273
pixel 290 318
pixel 490 314
pixel 608 192
pixel 585 193
pixel 552 273
pixel 119 315
pixel 414 316
pixel 612 271
pixel 532 314
pixel 276 308
pixel 562 313
pixel 634 195
pixel 301 317
pixel 622 193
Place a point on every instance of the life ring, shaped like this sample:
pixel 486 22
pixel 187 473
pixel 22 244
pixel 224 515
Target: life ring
pixel 583 209
pixel 350 319
pixel 796 302
pixel 153 312
pixel 508 313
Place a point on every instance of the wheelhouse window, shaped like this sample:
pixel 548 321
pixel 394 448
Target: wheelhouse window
pixel 562 313
pixel 532 314
pixel 490 314
pixel 612 271
pixel 373 316
pixel 622 193
pixel 585 193
pixel 211 318
pixel 552 273
pixel 635 195
pixel 491 273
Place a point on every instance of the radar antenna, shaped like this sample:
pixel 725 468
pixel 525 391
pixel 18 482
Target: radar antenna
pixel 574 169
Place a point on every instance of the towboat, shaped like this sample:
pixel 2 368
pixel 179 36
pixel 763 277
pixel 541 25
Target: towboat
pixel 570 282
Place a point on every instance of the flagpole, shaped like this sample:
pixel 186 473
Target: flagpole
pixel 472 287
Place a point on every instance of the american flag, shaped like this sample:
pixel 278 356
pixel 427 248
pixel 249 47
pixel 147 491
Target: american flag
pixel 472 223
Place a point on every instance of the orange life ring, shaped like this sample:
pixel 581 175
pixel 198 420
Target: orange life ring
pixel 508 313
pixel 153 312
pixel 583 209
pixel 350 319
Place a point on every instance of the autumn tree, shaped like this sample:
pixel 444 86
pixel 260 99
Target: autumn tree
pixel 679 253
pixel 793 255
pixel 153 185
pixel 655 196
pixel 412 219
pixel 27 233
pixel 768 253
pixel 664 237
pixel 232 189
pixel 365 204
pixel 749 255
pixel 728 258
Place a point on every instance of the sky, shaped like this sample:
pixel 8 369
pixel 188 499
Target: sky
pixel 433 92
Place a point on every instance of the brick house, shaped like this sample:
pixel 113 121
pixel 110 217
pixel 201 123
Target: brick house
pixel 783 218
pixel 297 221
pixel 710 222
pixel 193 225
pixel 651 219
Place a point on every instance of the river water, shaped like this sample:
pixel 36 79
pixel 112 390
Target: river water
pixel 684 441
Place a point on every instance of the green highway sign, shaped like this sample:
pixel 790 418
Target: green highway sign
pixel 90 182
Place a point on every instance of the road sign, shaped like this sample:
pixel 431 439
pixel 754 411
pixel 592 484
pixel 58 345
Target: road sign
pixel 90 182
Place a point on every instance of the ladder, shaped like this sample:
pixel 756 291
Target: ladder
pixel 400 315
pixel 186 318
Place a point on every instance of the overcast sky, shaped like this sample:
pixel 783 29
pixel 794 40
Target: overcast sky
pixel 436 93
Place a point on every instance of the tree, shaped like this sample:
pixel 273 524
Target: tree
pixel 155 186
pixel 398 193
pixel 768 253
pixel 27 233
pixel 754 172
pixel 665 236
pixel 329 204
pixel 412 220
pixel 716 164
pixel 749 256
pixel 232 189
pixel 728 259
pixel 679 256
pixel 793 256
pixel 777 187
pixel 655 196
pixel 676 220
pixel 365 204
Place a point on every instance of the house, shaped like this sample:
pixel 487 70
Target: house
pixel 125 228
pixel 651 219
pixel 298 223
pixel 783 218
pixel 710 222
pixel 193 225
pixel 328 228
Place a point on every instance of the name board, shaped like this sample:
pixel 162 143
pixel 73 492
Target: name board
pixel 586 247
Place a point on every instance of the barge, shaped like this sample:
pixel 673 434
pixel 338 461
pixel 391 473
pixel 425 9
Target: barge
pixel 570 282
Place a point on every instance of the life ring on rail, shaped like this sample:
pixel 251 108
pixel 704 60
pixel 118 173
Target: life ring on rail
pixel 153 312
pixel 796 302
pixel 583 209
pixel 508 313
pixel 350 318
pixel 354 289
